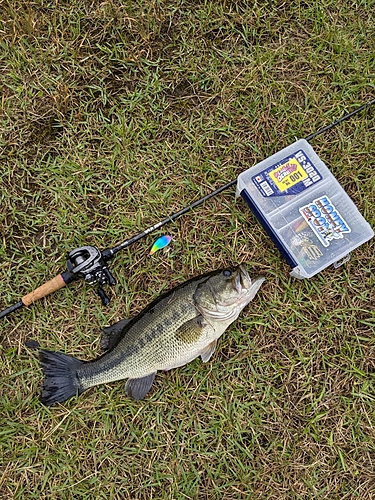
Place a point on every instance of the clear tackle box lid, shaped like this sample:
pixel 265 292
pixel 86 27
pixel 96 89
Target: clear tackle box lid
pixel 304 209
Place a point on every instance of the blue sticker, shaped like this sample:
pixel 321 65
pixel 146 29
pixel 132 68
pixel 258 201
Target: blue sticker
pixel 292 175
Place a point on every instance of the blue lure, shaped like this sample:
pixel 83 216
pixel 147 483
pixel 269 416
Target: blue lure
pixel 160 243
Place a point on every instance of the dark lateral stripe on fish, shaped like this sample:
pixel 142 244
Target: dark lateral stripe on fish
pixel 111 362
pixel 90 368
pixel 107 363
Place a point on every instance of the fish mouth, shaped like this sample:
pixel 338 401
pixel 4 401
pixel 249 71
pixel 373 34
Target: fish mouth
pixel 242 280
pixel 244 284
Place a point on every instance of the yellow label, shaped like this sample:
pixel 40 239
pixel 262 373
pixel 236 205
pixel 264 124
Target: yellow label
pixel 288 174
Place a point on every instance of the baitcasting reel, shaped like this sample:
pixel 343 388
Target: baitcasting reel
pixel 90 263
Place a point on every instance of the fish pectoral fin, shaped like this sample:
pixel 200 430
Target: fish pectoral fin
pixel 137 388
pixel 191 331
pixel 208 351
pixel 110 334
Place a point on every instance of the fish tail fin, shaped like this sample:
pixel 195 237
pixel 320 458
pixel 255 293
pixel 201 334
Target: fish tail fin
pixel 60 377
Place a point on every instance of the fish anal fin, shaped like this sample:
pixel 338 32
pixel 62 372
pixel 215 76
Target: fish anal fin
pixel 110 334
pixel 137 388
pixel 208 351
pixel 191 331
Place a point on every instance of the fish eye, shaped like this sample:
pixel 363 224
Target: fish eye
pixel 227 273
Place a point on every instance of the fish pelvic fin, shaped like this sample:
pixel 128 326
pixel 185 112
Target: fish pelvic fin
pixel 208 351
pixel 60 377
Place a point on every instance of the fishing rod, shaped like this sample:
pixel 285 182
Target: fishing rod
pixel 90 263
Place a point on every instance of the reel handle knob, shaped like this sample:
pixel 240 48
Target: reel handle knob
pixel 109 276
pixel 104 298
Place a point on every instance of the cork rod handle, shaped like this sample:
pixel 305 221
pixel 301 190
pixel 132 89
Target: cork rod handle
pixel 44 290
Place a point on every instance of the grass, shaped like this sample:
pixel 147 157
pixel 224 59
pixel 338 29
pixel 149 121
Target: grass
pixel 116 114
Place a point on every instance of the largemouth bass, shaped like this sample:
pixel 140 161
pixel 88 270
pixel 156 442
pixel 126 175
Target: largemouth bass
pixel 174 329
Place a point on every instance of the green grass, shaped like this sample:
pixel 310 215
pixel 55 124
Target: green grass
pixel 113 116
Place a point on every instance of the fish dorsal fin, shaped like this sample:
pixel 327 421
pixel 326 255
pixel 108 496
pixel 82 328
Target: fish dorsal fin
pixel 208 351
pixel 111 334
pixel 191 330
pixel 137 388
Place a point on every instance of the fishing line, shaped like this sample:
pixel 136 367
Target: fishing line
pixel 90 263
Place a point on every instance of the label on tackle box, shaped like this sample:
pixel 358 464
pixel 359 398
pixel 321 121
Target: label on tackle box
pixel 292 175
pixel 325 220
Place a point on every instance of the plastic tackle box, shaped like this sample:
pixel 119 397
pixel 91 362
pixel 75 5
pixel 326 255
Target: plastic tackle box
pixel 304 209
